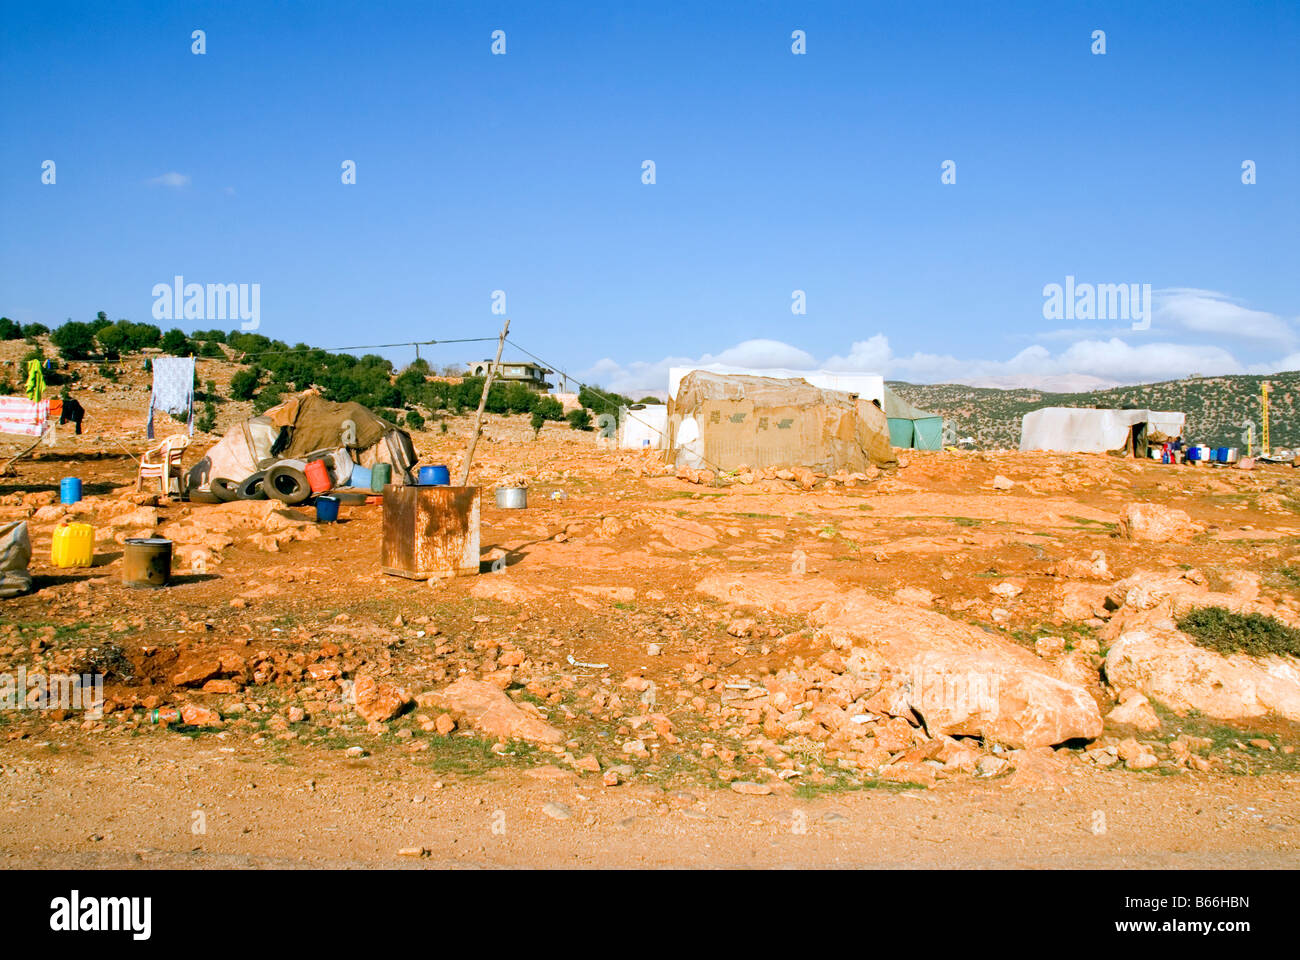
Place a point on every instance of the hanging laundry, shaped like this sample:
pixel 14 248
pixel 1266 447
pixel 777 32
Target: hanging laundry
pixel 173 389
pixel 35 381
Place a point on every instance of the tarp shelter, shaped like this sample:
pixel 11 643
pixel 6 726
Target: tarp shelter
pixel 1087 430
pixel 868 386
pixel 723 422
pixel 643 426
pixel 910 426
pixel 303 424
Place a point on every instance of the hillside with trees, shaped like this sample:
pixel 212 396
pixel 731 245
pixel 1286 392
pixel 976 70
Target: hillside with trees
pixel 1217 407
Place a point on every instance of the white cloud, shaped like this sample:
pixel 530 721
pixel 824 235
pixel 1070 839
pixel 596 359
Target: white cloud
pixel 763 354
pixel 1112 360
pixel 1208 312
pixel 171 179
pixel 865 356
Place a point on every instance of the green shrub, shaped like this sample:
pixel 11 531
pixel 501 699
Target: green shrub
pixel 602 401
pixel 207 420
pixel 519 399
pixel 74 339
pixel 415 420
pixel 127 337
pixel 579 419
pixel 175 342
pixel 9 330
pixel 243 385
pixel 35 330
pixel 536 421
pixel 1226 632
pixel 549 408
pixel 268 397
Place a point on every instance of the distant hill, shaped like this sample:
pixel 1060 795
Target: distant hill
pixel 1216 407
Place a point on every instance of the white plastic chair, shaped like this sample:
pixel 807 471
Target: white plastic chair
pixel 163 462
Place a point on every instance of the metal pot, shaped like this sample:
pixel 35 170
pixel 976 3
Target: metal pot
pixel 512 498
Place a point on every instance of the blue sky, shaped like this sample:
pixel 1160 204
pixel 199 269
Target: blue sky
pixel 775 172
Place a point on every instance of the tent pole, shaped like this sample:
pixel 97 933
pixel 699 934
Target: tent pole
pixel 482 402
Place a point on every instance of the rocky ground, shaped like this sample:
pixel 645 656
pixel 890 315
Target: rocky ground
pixel 969 660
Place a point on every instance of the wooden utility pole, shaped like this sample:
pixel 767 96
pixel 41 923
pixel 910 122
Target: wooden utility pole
pixel 482 402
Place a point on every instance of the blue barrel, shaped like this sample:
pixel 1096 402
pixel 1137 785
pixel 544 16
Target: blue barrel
pixel 360 478
pixel 435 476
pixel 327 509
pixel 1220 454
pixel 70 490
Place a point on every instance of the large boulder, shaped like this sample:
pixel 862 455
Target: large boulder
pixel 1169 668
pixel 958 678
pixel 1154 523
pixel 488 709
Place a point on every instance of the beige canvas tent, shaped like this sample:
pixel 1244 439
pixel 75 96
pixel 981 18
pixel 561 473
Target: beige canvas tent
pixel 305 423
pixel 1089 430
pixel 722 422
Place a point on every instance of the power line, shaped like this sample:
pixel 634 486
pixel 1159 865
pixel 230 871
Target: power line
pixel 600 393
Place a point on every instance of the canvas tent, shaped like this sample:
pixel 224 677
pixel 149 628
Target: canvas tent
pixel 303 424
pixel 723 422
pixel 643 426
pixel 910 426
pixel 1087 430
pixel 868 386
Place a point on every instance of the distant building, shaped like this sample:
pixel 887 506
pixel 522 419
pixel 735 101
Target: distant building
pixel 530 375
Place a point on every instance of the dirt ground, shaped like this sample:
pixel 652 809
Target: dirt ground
pixel 596 625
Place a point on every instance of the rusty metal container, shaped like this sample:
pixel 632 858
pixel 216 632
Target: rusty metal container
pixel 430 531
pixel 147 562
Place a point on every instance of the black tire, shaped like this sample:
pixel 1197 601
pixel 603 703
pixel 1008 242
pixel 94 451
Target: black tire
pixel 224 490
pixel 287 484
pixel 251 488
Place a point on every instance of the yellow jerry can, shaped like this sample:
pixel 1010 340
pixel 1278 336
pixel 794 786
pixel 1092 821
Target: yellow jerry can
pixel 74 545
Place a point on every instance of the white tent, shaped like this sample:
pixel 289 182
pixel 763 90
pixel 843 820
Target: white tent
pixel 643 425
pixel 868 386
pixel 1086 430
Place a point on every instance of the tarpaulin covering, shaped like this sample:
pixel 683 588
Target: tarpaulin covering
pixel 643 426
pixel 723 422
pixel 1086 430
pixel 303 424
pixel 910 426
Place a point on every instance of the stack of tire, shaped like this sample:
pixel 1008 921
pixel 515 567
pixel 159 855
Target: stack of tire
pixel 283 480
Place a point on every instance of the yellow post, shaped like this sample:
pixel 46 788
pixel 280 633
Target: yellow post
pixel 1263 418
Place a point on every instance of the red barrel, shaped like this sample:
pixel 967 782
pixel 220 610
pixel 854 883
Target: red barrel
pixel 318 476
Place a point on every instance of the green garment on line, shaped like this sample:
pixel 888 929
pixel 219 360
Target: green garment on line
pixel 35 381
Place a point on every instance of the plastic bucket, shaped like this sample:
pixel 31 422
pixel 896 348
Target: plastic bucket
pixel 318 476
pixel 70 490
pixel 147 562
pixel 360 479
pixel 435 476
pixel 380 474
pixel 327 509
